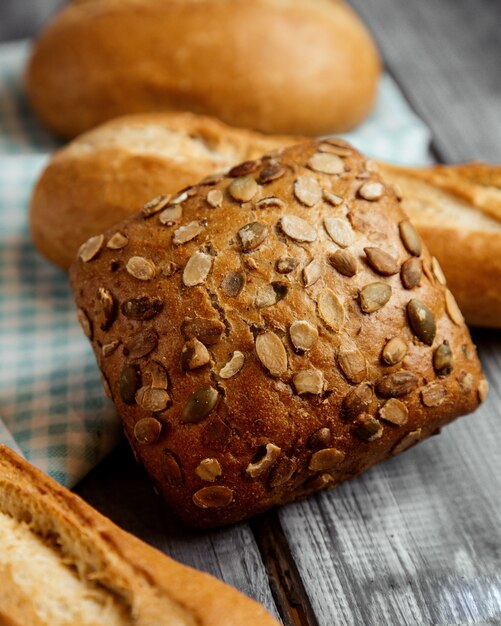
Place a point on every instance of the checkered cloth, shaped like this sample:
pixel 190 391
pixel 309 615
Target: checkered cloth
pixel 52 406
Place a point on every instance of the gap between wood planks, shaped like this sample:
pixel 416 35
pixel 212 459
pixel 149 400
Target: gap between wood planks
pixel 286 585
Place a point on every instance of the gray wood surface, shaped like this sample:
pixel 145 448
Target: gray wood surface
pixel 416 541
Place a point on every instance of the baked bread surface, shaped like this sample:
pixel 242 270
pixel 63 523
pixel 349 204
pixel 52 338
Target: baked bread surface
pixel 108 173
pixel 273 332
pixel 64 564
pixel 282 66
pixel 457 210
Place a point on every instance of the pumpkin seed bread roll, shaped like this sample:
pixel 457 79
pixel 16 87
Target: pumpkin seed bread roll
pixel 107 174
pixel 64 564
pixel 278 66
pixel 272 332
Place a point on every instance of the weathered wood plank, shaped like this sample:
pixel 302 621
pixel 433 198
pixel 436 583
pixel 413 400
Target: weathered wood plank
pixel 120 489
pixel 446 56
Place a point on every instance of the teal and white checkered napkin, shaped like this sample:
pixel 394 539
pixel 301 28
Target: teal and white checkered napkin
pixel 52 406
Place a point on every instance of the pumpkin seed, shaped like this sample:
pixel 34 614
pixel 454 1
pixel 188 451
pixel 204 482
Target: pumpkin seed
pixel 352 363
pixel 147 430
pixel 271 352
pixel 340 231
pixel 309 381
pixel 129 383
pixel 187 233
pixel 243 189
pixel 332 198
pixel 411 272
pixel 233 366
pixel 233 284
pixel 409 440
pixel 252 235
pixel 307 190
pixel 117 241
pixel 271 171
pixel 371 191
pixel 344 262
pixel 286 265
pixel 374 296
pixel 108 307
pixel 312 273
pixel 143 308
pixel 215 198
pixel 171 215
pixel 157 375
pixel 410 238
pixel 303 335
pixel 443 359
pixel 397 384
pixel 208 331
pixel 171 469
pixel 199 405
pixel 357 401
pixel 437 271
pixel 483 389
pixel 108 348
pixel 282 472
pixel 325 460
pixel 331 310
pixel 368 428
pixel 394 351
pixel 155 206
pixel 216 497
pixel 142 345
pixel 243 169
pixel 422 321
pixel 197 269
pixel 141 268
pixel 91 248
pixel 85 323
pixel 326 163
pixel 336 146
pixel 319 439
pixel 453 309
pixel 194 355
pixel 433 394
pixel 270 203
pixel 381 262
pixel 298 229
pixel 209 470
pixel 154 400
pixel 394 411
pixel 271 294
pixel 266 459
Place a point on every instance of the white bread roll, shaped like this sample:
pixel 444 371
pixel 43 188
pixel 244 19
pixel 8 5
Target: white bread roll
pixel 282 66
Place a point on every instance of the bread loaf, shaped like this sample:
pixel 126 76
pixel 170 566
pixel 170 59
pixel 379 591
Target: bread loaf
pixel 64 564
pixel 108 173
pixel 272 332
pixel 281 66
pixel 457 210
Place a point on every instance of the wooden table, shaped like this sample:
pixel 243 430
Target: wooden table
pixel 416 541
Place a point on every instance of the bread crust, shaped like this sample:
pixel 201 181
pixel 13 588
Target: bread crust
pixel 157 590
pixel 468 250
pixel 108 173
pixel 229 58
pixel 230 406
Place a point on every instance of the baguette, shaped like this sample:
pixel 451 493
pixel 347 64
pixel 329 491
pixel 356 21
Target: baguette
pixel 108 173
pixel 273 331
pixel 457 210
pixel 64 564
pixel 278 66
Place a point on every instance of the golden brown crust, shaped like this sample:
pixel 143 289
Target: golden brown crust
pixel 228 58
pixel 457 210
pixel 234 341
pixel 157 589
pixel 108 173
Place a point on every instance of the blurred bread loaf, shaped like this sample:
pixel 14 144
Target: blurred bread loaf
pixel 107 174
pixel 272 332
pixel 457 210
pixel 278 66
pixel 64 564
